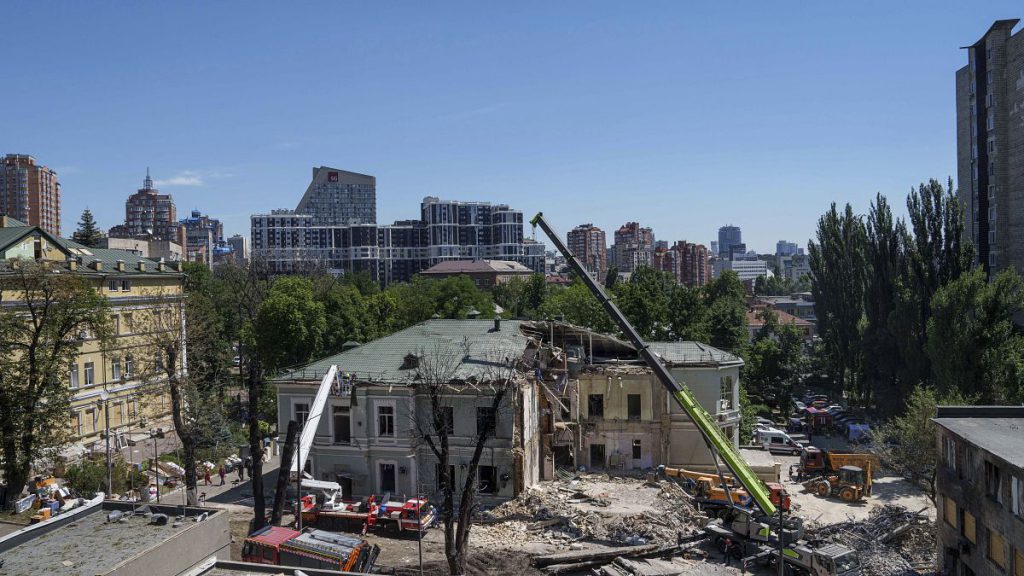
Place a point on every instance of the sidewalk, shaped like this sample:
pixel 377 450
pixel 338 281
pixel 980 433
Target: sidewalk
pixel 233 491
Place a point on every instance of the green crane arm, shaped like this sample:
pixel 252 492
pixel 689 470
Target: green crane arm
pixel 704 421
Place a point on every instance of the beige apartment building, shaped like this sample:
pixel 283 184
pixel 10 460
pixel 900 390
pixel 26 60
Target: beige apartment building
pixel 145 298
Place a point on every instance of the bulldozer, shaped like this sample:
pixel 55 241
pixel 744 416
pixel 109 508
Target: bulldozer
pixel 849 484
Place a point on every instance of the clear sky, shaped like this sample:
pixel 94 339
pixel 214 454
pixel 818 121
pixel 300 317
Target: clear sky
pixel 683 117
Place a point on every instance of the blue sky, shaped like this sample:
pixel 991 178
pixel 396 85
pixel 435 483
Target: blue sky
pixel 683 117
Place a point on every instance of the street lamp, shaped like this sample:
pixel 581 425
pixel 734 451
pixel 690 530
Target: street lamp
pixel 102 402
pixel 155 433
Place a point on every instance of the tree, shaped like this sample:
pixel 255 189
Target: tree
pixel 774 360
pixel 40 335
pixel 88 234
pixel 195 387
pixel 439 373
pixel 725 318
pixel 645 299
pixel 838 271
pixel 611 278
pixel 246 290
pixel 578 306
pixel 907 442
pixel 974 345
pixel 686 314
pixel 290 323
pixel 347 314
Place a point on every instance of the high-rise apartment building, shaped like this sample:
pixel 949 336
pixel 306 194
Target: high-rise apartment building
pixel 990 146
pixel 202 236
pixel 633 247
pixel 239 249
pixel 688 263
pixel 728 236
pixel 339 198
pixel 294 241
pixel 784 248
pixel 30 193
pixel 150 214
pixel 589 243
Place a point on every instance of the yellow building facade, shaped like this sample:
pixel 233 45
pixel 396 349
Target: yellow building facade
pixel 145 298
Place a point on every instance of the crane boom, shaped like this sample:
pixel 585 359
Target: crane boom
pixel 683 396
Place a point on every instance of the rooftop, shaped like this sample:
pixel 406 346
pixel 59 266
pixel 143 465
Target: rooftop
pixel 995 429
pixel 782 316
pixel 690 353
pixel 85 543
pixel 477 266
pixel 475 344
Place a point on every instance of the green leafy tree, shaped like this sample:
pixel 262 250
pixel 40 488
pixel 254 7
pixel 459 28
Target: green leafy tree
pixel 686 314
pixel 578 306
pixel 88 234
pixel 40 325
pixel 611 278
pixel 974 345
pixel 290 323
pixel 645 300
pixel 906 443
pixel 348 314
pixel 774 361
pixel 838 268
pixel 725 319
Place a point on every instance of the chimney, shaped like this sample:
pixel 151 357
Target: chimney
pixel 73 264
pixel 142 265
pixel 160 265
pixel 120 265
pixel 497 323
pixel 177 266
pixel 97 265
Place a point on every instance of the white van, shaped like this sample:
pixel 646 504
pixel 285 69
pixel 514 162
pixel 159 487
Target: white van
pixel 778 441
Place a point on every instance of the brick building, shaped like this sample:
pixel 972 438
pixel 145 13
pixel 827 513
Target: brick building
pixel 30 193
pixel 590 245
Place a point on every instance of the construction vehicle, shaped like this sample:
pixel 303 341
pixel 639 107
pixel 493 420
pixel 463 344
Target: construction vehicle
pixel 708 491
pixel 816 463
pixel 848 484
pixel 328 510
pixel 282 546
pixel 750 524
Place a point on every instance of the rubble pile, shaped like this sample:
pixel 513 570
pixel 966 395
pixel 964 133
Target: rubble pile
pixel 564 512
pixel 892 541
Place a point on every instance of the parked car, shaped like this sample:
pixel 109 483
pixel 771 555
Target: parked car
pixel 799 405
pixel 236 361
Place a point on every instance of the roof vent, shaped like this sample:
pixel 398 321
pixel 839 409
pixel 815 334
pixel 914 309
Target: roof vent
pixel 97 265
pixel 410 361
pixel 497 324
pixel 350 345
pixel 142 266
pixel 120 265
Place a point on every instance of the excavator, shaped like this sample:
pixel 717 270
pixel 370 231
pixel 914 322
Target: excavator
pixel 753 533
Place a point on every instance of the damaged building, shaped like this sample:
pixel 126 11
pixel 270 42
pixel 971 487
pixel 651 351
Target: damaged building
pixel 580 398
pixel 605 409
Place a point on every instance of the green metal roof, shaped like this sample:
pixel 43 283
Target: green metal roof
pixel 474 344
pixel 86 255
pixel 692 353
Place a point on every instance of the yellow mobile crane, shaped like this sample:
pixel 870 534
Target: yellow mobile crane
pixel 749 535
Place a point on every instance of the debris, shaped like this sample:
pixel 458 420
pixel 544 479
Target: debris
pixel 892 541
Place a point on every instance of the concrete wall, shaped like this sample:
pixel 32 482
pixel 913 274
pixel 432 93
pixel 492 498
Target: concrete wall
pixel 183 551
pixel 969 496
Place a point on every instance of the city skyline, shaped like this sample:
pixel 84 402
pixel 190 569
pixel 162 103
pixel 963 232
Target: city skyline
pixel 434 115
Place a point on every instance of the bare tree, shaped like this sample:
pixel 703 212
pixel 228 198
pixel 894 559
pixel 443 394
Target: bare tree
pixel 42 324
pixel 176 333
pixel 442 376
pixel 248 287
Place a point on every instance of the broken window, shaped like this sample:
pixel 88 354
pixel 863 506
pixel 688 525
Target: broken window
pixel 342 425
pixel 949 452
pixel 488 478
pixel 595 406
pixel 993 482
pixel 633 406
pixel 447 421
pixel 636 449
pixel 385 421
pixel 486 420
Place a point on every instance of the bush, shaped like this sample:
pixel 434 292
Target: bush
pixel 90 476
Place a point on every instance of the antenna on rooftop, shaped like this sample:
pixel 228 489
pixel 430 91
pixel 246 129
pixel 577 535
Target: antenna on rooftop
pixel 147 184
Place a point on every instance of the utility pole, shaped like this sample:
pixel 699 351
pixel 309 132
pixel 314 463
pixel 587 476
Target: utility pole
pixel 104 396
pixel 779 532
pixel 298 480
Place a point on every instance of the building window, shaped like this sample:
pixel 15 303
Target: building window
pixel 633 406
pixel 488 477
pixel 300 412
pixel 637 451
pixel 342 425
pixel 447 421
pixel 112 285
pixel 76 423
pixel 969 528
pixel 115 368
pixel 115 320
pixel 73 376
pixel 949 511
pixel 993 482
pixel 486 420
pixel 996 548
pixel 595 406
pixel 949 452
pixel 725 392
pixel 386 421
pixel 89 374
pixel 126 285
pixel 129 366
pixel 1017 496
pixel 129 324
pixel 388 481
pixel 969 464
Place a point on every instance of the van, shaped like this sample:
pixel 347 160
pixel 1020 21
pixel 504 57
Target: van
pixel 778 441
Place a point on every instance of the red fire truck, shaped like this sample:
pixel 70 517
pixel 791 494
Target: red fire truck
pixel 331 512
pixel 309 549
